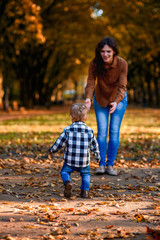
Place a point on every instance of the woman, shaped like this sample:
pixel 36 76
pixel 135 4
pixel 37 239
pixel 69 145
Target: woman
pixel 110 98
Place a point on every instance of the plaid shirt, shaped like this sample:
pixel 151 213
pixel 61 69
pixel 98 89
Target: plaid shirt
pixel 77 139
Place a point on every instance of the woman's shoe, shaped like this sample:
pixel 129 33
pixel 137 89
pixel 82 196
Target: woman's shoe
pixel 111 171
pixel 68 189
pixel 100 170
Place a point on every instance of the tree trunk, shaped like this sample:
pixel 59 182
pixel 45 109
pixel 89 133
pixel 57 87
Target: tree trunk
pixel 148 80
pixel 6 99
pixel 23 93
pixel 134 95
pixel 1 89
pixel 75 87
pixel 143 94
pixel 156 91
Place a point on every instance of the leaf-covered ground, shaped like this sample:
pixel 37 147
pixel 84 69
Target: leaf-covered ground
pixel 32 205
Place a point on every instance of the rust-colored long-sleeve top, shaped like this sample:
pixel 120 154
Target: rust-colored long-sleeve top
pixel 111 85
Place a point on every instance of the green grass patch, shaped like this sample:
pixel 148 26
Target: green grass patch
pixel 139 136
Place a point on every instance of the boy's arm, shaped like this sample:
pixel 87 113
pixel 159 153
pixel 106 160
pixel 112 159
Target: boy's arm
pixel 59 143
pixel 95 148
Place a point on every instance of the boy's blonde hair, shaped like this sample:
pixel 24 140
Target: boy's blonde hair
pixel 78 111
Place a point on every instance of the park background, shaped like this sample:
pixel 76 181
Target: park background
pixel 46 47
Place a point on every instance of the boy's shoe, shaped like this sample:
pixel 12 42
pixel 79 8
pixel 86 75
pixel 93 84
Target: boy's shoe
pixel 111 171
pixel 100 170
pixel 84 194
pixel 68 189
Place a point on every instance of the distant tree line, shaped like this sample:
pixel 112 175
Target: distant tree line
pixel 43 43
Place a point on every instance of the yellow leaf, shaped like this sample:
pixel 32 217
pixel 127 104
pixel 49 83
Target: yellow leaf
pixel 27 172
pixel 72 198
pixel 8 237
pixel 60 232
pixel 43 223
pixel 120 190
pixel 53 199
pixel 139 217
pixel 31 227
pixel 109 226
pixel 12 219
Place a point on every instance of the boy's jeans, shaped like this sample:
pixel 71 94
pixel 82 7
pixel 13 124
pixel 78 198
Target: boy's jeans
pixel 102 116
pixel 84 172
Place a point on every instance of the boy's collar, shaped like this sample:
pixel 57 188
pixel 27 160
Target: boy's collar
pixel 80 122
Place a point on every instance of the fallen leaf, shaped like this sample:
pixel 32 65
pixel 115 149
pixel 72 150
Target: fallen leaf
pixel 48 237
pixel 60 231
pixel 139 217
pixel 109 226
pixel 9 237
pixel 109 235
pixel 31 227
pixel 12 219
pixel 154 232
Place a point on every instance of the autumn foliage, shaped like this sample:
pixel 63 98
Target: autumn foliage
pixel 45 43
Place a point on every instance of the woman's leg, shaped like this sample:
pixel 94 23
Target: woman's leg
pixel 114 130
pixel 102 114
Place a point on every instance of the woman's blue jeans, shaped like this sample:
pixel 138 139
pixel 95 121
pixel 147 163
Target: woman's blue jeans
pixel 84 172
pixel 102 116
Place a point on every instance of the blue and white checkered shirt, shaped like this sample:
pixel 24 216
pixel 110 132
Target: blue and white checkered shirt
pixel 77 139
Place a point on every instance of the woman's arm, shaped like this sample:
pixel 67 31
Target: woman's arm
pixel 90 87
pixel 122 83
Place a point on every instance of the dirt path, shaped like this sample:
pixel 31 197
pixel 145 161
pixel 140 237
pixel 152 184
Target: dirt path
pixel 32 205
pixel 32 112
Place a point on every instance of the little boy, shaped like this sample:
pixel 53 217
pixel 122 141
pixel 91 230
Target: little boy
pixel 77 139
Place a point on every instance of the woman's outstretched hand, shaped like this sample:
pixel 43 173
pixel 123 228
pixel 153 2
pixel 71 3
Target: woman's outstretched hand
pixel 113 106
pixel 88 103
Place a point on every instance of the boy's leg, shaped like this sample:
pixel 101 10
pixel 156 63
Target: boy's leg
pixel 86 177
pixel 65 174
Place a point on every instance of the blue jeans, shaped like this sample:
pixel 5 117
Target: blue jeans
pixel 102 116
pixel 84 172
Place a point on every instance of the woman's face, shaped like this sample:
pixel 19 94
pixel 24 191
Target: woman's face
pixel 107 54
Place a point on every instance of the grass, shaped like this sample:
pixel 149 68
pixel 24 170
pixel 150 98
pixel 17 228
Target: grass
pixel 140 132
